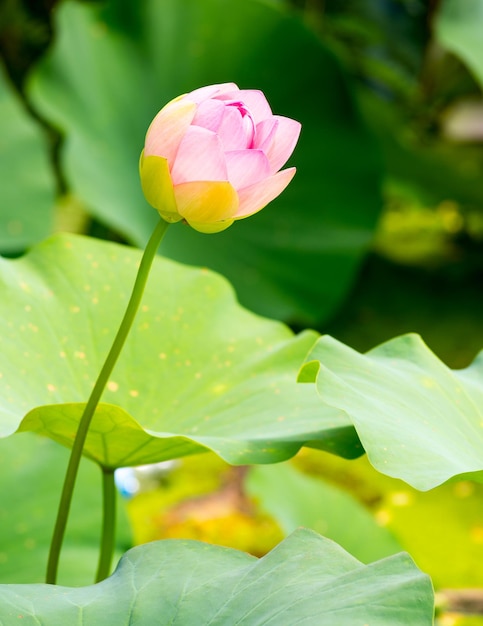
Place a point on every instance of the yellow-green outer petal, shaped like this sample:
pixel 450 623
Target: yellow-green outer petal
pixel 206 202
pixel 158 187
pixel 209 228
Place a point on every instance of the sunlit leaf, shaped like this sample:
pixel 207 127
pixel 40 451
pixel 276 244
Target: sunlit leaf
pixel 198 371
pixel 27 183
pixel 296 499
pixel 113 67
pixel 449 551
pixel 306 579
pixel 417 419
pixel 458 26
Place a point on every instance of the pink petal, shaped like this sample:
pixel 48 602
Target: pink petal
pixel 265 133
pixel 203 93
pixel 167 129
pixel 257 196
pixel 246 167
pixel 209 114
pixel 200 157
pixel 278 142
pixel 254 101
pixel 236 132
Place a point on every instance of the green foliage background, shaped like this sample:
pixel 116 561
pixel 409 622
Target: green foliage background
pixel 381 232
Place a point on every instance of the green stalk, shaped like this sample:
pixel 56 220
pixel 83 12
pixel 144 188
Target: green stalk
pixel 108 523
pixel 93 401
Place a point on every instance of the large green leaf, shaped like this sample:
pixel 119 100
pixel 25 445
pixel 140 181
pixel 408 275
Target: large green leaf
pixel 113 67
pixel 31 474
pixel 198 371
pixel 458 26
pixel 295 499
pixel 27 183
pixel 417 419
pixel 305 580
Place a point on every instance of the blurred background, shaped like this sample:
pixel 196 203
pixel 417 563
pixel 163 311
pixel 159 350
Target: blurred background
pixel 380 233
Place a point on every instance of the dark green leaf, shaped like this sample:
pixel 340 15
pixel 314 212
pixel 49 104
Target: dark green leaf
pixel 113 68
pixel 27 183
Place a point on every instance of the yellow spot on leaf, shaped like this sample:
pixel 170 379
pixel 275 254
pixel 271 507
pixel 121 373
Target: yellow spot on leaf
pixel 383 517
pixel 401 498
pixel 477 534
pixel 463 489
pixel 112 386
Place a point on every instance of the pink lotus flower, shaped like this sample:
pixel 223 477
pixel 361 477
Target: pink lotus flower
pixel 213 156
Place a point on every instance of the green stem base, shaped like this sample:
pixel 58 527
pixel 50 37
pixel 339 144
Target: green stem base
pixel 108 524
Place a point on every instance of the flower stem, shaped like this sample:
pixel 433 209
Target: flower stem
pixel 93 401
pixel 108 523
